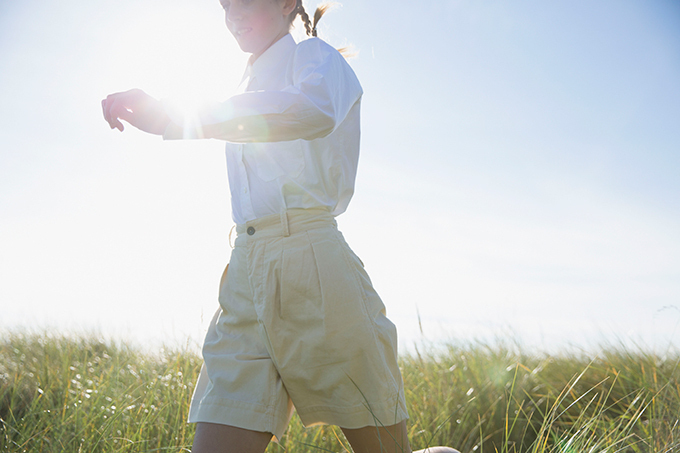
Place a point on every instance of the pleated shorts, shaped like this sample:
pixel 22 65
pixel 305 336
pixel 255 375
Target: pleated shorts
pixel 299 327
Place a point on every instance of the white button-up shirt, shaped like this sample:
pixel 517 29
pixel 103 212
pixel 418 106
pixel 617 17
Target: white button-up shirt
pixel 292 133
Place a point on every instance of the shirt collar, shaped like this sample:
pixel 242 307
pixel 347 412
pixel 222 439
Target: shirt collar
pixel 271 58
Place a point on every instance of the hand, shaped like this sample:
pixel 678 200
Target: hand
pixel 137 108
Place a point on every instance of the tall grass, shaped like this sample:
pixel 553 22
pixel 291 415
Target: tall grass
pixel 80 394
pixel 494 398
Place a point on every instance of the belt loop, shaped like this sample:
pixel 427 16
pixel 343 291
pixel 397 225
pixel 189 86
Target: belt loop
pixel 284 223
pixel 231 244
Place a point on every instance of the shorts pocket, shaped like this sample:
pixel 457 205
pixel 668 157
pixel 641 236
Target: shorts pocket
pixel 341 289
pixel 331 330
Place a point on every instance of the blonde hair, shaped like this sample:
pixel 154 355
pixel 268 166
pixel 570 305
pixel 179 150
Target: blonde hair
pixel 311 24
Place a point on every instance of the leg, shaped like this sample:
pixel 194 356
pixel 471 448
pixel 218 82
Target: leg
pixel 437 450
pixel 388 439
pixel 215 438
pixel 371 439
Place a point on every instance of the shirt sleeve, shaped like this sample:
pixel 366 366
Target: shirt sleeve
pixel 323 91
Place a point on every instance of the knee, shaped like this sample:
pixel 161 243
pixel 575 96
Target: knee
pixel 438 450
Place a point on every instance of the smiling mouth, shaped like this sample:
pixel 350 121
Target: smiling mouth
pixel 242 31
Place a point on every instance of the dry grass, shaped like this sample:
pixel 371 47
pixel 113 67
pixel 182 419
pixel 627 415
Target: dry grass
pixel 63 394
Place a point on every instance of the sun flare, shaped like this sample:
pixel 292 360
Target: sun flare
pixel 182 52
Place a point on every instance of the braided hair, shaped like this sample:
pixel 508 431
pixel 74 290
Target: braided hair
pixel 310 25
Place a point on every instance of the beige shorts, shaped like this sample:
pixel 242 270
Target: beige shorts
pixel 301 326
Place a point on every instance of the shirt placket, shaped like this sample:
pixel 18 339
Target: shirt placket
pixel 244 195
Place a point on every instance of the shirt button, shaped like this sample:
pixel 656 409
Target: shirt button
pixel 245 190
pixel 250 231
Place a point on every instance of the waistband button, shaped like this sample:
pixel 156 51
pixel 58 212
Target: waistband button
pixel 250 231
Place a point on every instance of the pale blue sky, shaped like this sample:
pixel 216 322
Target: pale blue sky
pixel 519 170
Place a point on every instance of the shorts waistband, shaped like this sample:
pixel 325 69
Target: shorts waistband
pixel 285 224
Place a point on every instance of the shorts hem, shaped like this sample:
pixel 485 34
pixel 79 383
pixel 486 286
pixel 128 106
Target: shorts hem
pixel 240 415
pixel 355 416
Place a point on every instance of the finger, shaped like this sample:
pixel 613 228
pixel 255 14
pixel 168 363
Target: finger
pixel 111 101
pixel 116 124
pixel 108 105
pixel 125 115
pixel 105 111
pixel 115 109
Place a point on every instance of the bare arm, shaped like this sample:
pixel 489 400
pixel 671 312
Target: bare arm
pixel 137 108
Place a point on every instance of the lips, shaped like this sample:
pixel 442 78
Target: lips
pixel 242 31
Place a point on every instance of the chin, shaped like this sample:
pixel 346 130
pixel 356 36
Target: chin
pixel 247 47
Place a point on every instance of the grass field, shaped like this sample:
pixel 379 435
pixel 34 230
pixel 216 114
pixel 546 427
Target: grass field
pixel 66 394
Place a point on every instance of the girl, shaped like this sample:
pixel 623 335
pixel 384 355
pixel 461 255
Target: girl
pixel 299 325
